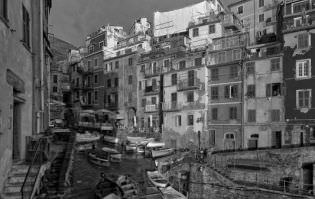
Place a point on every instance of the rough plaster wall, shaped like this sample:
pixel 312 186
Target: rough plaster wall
pixel 184 134
pixel 21 65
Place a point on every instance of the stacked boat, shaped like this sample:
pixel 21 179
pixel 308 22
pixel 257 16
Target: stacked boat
pixel 113 187
pixel 85 141
pixel 158 180
pixel 158 150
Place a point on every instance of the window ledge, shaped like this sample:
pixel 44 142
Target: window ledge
pixel 302 78
pixel 5 21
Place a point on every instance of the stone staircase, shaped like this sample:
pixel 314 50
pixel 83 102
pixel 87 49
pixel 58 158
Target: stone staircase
pixel 14 182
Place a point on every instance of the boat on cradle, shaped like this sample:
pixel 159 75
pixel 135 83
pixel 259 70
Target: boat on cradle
pixel 170 193
pixel 128 186
pixel 157 179
pixel 99 158
pixel 112 196
pixel 131 147
pixel 107 188
pixel 140 148
pixel 87 137
pixel 110 140
pixel 158 153
pixel 114 155
pixel 84 146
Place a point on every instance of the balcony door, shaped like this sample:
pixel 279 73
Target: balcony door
pixel 191 78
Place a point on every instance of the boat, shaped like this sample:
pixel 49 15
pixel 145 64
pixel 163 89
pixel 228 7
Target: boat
pixel 99 158
pixel 157 179
pixel 110 140
pixel 115 156
pixel 128 186
pixel 151 146
pixel 84 147
pixel 140 148
pixel 158 153
pixel 107 188
pixel 170 193
pixel 112 196
pixel 87 137
pixel 131 147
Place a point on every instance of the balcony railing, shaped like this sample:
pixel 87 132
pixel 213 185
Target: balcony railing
pixel 172 106
pixel 151 90
pixel 265 52
pixel 111 106
pixel 150 108
pixel 87 86
pixel 188 84
pixel 229 41
pixel 152 73
pixel 231 21
pixel 305 22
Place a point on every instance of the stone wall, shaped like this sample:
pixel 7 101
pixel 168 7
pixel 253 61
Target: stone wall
pixel 205 183
pixel 269 168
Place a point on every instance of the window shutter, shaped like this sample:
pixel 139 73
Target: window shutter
pixel 268 90
pixel 227 91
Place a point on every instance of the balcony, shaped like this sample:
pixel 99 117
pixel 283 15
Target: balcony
pixel 184 85
pixel 65 87
pixel 229 40
pixel 230 21
pixel 87 87
pixel 290 25
pixel 111 106
pixel 264 51
pixel 172 106
pixel 152 73
pixel 150 108
pixel 75 86
pixel 151 90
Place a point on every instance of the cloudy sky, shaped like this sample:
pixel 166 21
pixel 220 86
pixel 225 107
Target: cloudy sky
pixel 72 20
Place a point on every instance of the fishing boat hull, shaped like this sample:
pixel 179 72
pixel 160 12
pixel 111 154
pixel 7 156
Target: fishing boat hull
pixel 84 147
pixel 86 138
pixel 115 158
pixel 157 179
pixel 161 153
pixel 93 158
pixel 131 148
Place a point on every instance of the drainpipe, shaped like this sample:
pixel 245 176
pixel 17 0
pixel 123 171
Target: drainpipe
pixel 41 48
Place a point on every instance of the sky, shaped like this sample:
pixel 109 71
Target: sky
pixel 73 20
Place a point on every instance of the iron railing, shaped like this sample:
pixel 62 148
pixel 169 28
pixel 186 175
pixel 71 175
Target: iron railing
pixel 35 164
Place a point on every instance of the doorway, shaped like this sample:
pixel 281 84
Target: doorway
pixel 16 138
pixel 276 139
pixel 308 177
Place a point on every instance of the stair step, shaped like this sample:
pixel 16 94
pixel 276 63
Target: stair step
pixel 10 189
pixel 22 172
pixel 15 195
pixel 19 179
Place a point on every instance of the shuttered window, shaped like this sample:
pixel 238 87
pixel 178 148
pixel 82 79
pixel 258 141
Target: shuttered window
pixel 26 27
pixel 275 115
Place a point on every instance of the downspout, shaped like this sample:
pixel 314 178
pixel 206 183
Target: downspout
pixel 41 61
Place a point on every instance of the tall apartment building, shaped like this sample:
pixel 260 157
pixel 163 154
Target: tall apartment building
pixel 97 43
pixel 150 82
pixel 264 122
pixel 120 72
pixel 186 81
pixel 225 114
pixel 259 18
pixel 298 61
pixel 25 61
